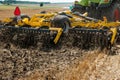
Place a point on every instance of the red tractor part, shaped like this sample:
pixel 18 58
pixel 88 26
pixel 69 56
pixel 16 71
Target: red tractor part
pixel 116 14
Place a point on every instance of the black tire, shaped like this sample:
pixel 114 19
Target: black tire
pixel 44 27
pixel 61 21
pixel 112 12
pixel 21 16
pixel 14 19
pixel 79 8
pixel 25 16
pixel 94 12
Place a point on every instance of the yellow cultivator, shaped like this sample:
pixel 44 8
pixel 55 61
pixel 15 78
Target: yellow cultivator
pixel 82 31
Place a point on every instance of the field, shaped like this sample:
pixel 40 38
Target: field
pixel 7 11
pixel 65 63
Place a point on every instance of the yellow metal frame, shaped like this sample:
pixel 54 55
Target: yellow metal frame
pixel 114 31
pixel 40 20
pixel 59 33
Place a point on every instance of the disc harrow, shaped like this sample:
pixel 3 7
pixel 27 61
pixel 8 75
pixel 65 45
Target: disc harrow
pixel 90 38
pixel 46 30
pixel 25 36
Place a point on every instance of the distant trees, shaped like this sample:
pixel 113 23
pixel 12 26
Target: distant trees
pixel 8 2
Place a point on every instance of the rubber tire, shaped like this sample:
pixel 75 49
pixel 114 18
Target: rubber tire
pixel 109 12
pixel 22 17
pixel 61 21
pixel 25 16
pixel 44 27
pixel 14 19
pixel 79 8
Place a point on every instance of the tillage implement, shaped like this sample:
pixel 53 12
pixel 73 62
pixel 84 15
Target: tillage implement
pixel 51 29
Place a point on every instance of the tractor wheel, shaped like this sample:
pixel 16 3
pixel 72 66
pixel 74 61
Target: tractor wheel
pixel 112 12
pixel 61 21
pixel 22 17
pixel 25 16
pixel 79 8
pixel 44 27
pixel 14 19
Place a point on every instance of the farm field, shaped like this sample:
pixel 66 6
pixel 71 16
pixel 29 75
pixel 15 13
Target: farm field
pixel 7 11
pixel 65 63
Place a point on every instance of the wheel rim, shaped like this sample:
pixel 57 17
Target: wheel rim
pixel 65 27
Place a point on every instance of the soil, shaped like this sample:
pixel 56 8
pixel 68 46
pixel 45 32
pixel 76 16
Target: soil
pixel 65 63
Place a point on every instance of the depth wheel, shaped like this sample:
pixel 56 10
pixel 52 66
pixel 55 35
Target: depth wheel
pixel 61 21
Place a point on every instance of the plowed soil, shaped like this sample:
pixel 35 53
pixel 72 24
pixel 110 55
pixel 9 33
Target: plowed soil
pixel 65 63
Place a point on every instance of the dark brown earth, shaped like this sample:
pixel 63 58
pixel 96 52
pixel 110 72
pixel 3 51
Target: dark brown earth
pixel 64 63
